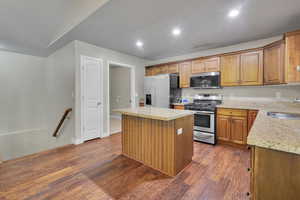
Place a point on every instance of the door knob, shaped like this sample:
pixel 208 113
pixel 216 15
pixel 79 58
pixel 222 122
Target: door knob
pixel 99 103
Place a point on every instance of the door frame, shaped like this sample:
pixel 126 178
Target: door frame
pixel 132 89
pixel 82 93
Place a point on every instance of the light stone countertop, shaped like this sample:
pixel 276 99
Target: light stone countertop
pixel 164 114
pixel 271 133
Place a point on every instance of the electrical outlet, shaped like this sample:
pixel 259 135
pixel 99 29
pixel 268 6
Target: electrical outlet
pixel 179 131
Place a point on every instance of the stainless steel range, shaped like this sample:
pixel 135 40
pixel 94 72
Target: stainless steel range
pixel 204 106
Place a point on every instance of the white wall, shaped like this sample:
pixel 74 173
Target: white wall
pixel 35 92
pixel 107 55
pixel 119 86
pixel 21 102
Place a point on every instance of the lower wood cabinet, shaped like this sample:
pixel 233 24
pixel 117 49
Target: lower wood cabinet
pixel 232 126
pixel 179 107
pixel 274 175
pixel 251 118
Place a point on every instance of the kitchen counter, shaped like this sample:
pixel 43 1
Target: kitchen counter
pixel 271 133
pixel 155 113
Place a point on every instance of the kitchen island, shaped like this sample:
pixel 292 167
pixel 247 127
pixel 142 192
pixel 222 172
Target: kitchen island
pixel 158 137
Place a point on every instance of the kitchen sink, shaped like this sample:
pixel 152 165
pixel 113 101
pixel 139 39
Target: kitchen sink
pixel 282 115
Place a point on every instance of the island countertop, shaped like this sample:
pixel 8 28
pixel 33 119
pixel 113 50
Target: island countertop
pixel 164 114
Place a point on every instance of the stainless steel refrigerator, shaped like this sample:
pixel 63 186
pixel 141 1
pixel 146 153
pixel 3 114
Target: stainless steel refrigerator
pixel 161 90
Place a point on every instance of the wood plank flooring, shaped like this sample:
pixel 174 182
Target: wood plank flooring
pixel 97 170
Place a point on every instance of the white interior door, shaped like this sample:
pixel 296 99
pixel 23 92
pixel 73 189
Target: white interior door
pixel 92 100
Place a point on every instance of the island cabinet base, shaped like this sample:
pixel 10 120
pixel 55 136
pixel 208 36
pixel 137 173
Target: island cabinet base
pixel 158 144
pixel 275 175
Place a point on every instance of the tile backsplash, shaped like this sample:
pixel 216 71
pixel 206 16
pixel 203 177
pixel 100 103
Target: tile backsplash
pixel 280 92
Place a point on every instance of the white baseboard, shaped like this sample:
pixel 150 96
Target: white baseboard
pixel 116 116
pixel 77 141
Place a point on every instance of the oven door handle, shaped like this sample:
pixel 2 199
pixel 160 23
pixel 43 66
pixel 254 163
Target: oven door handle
pixel 204 112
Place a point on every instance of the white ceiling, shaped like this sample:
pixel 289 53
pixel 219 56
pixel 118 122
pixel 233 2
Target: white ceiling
pixel 32 25
pixel 119 23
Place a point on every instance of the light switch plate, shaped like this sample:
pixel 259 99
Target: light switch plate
pixel 179 131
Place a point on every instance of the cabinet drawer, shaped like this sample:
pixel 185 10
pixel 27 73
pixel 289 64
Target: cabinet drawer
pixel 179 107
pixel 232 112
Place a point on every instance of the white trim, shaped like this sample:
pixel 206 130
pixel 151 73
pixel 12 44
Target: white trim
pixel 82 57
pixel 21 132
pixel 77 141
pixel 116 116
pixel 132 89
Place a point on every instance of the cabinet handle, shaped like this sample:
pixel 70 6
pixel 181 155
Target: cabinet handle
pixel 248 169
pixel 248 193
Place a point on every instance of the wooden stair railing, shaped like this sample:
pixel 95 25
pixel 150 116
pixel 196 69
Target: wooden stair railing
pixel 55 134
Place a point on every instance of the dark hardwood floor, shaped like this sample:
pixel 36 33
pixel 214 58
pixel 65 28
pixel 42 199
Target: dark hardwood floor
pixel 97 170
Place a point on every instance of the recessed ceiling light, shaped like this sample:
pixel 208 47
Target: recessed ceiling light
pixel 139 43
pixel 176 31
pixel 233 13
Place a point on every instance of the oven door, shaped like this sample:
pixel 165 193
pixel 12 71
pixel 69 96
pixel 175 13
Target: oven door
pixel 204 121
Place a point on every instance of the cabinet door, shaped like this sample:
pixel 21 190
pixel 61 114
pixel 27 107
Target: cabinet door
pixel 292 55
pixel 156 70
pixel 238 133
pixel 184 74
pixel 230 70
pixel 173 68
pixel 198 66
pixel 252 68
pixel 223 127
pixel 251 118
pixel 149 71
pixel 164 69
pixel 274 64
pixel 212 64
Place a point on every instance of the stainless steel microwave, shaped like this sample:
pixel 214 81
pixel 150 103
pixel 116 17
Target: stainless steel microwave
pixel 208 80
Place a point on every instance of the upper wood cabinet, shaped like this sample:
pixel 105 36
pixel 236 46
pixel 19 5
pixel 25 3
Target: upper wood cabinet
pixel 173 68
pixel 164 69
pixel 230 70
pixel 206 65
pixel 292 57
pixel 242 69
pixel 252 68
pixel 198 66
pixel 274 63
pixel 149 71
pixel 184 74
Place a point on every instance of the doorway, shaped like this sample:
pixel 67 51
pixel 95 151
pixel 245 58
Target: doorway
pixel 92 98
pixel 121 93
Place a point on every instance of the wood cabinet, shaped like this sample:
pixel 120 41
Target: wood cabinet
pixel 252 68
pixel 164 69
pixel 238 131
pixel 242 69
pixel 179 107
pixel 206 65
pixel 198 66
pixel 274 175
pixel 274 63
pixel 149 71
pixel 173 68
pixel 252 114
pixel 230 70
pixel 184 74
pixel 223 127
pixel 232 126
pixel 292 57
